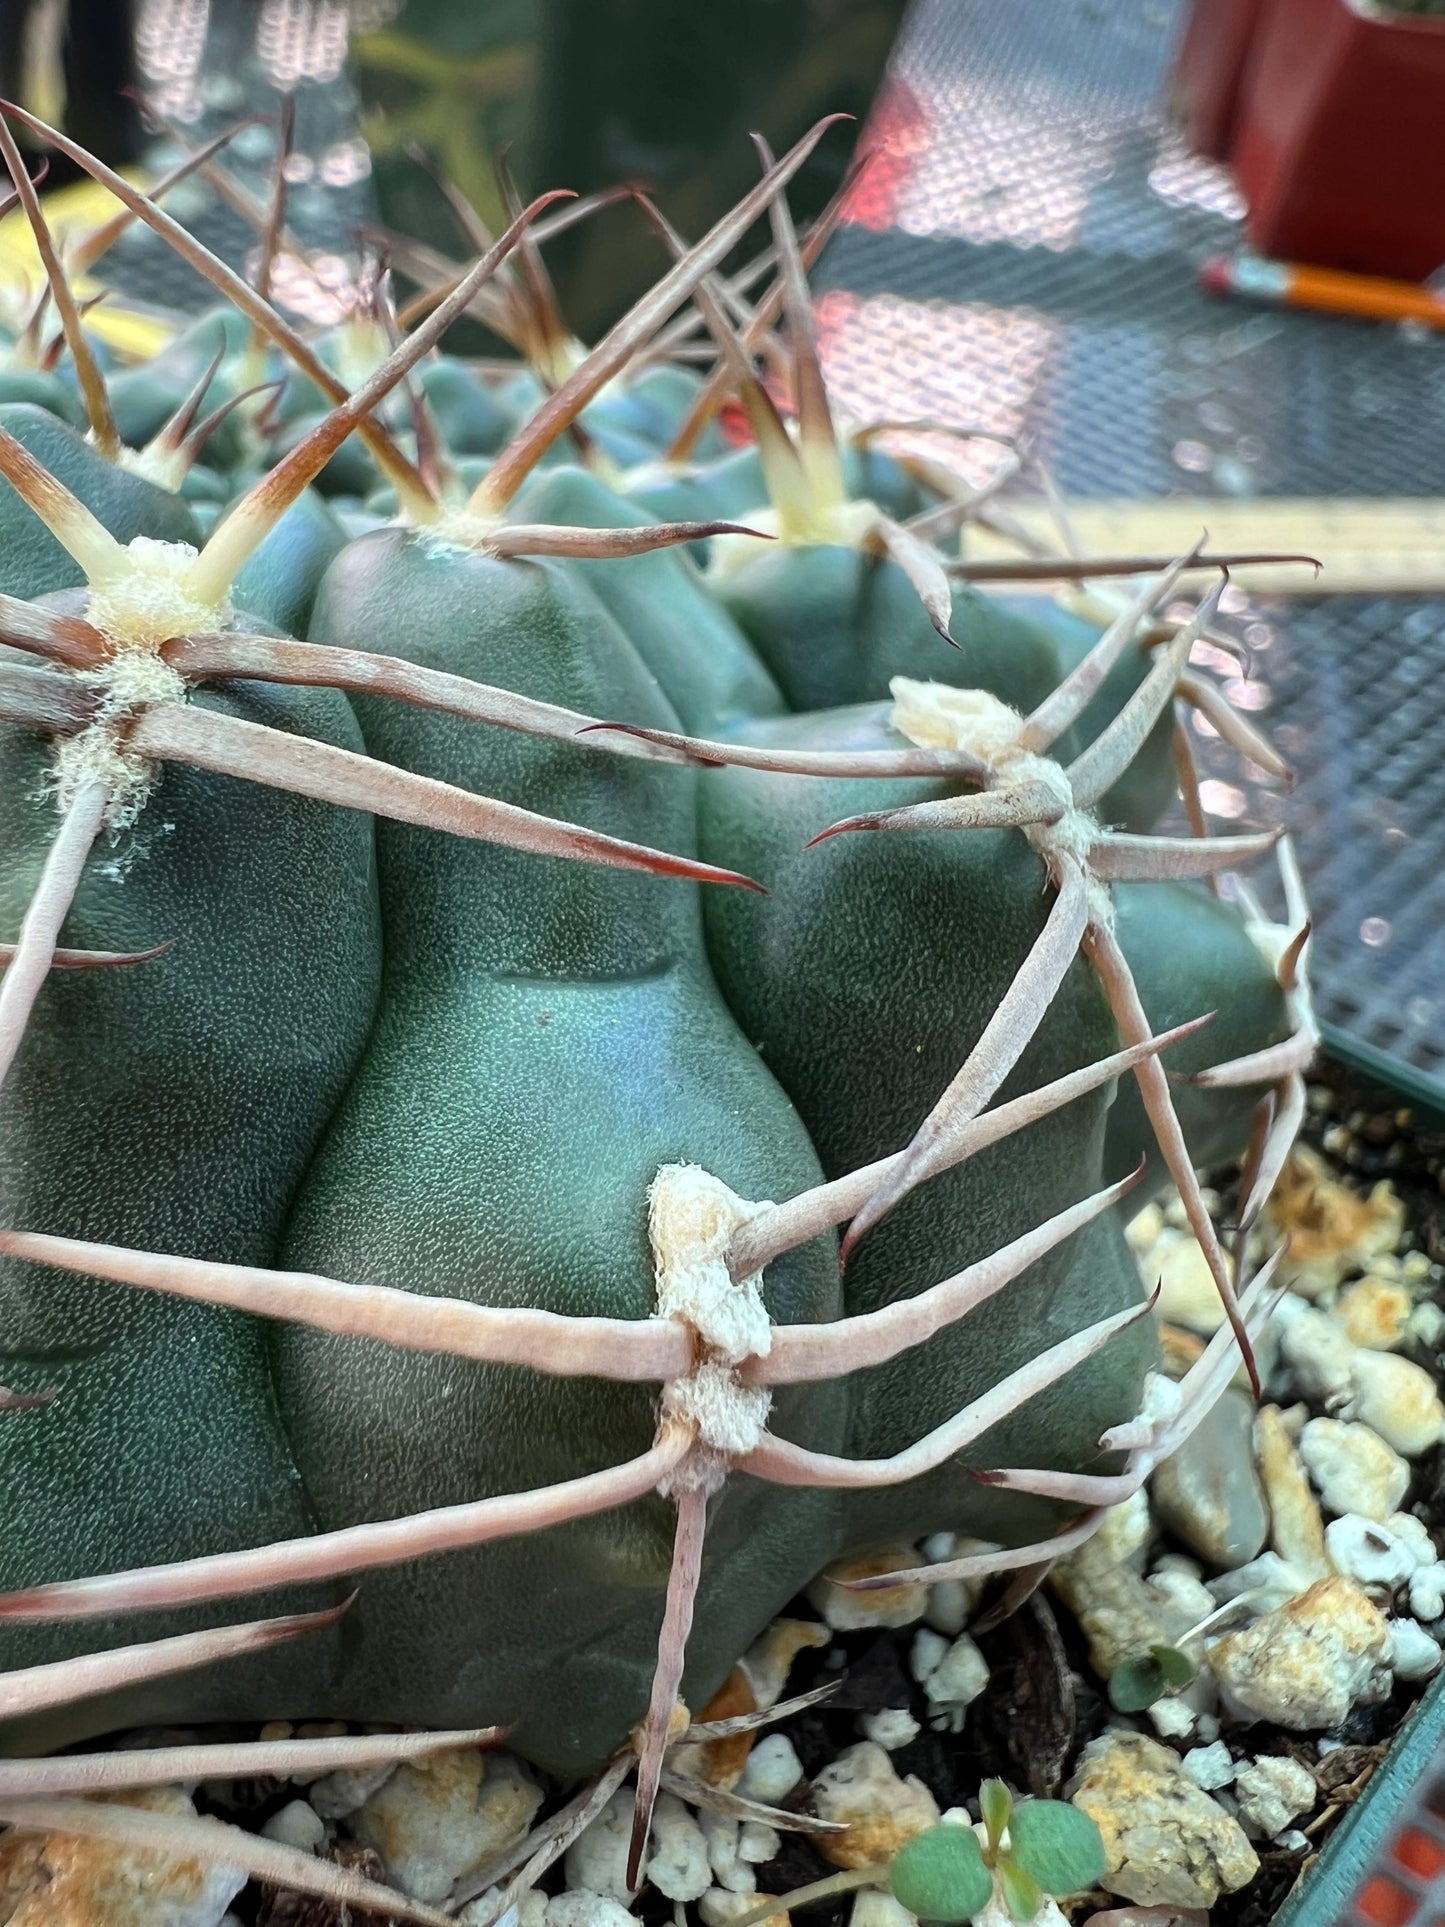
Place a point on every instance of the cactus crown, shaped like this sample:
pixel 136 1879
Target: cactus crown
pixel 110 680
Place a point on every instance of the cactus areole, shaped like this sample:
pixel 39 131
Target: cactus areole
pixel 559 1070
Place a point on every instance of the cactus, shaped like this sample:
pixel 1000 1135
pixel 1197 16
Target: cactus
pixel 414 1014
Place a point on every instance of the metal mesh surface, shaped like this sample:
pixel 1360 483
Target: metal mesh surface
pixel 1028 265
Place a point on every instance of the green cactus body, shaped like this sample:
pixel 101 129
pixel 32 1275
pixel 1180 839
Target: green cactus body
pixel 788 600
pixel 41 390
pixel 32 562
pixel 700 657
pixel 279 583
pixel 901 948
pixel 416 1057
pixel 472 419
pixel 173 1105
pixel 549 1036
pixel 721 490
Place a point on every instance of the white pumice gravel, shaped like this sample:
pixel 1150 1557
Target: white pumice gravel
pixel 955 1682
pixel 1370 1551
pixel 1209 1766
pixel 1352 1467
pixel 891 1728
pixel 874 1908
pixel 1273 1790
pixel 298 1825
pixel 1416 1655
pixel 678 1863
pixel 1399 1399
pixel 773 1769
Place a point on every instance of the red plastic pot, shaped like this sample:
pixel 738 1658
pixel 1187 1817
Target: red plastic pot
pixel 1207 75
pixel 1339 141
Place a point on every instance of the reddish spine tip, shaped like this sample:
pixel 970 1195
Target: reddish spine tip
pixel 1217 276
pixel 840 828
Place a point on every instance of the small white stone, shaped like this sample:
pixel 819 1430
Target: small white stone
pixel 1398 1399
pixel 1416 1535
pixel 1353 1469
pixel 721 1832
pixel 577 1908
pixel 957 1680
pixel 1416 1654
pixel 1209 1766
pixel 891 1728
pixel 1427 1325
pixel 1367 1550
pixel 1144 1228
pixel 1293 1841
pixel 596 1861
pixel 997 1913
pixel 758 1843
pixel 1316 1349
pixel 1179 1562
pixel 772 1771
pixel 1185 1592
pixel 298 1825
pixel 1427 1591
pixel 66 1880
pixel 949 1605
pixel 1172 1718
pixel 874 1908
pixel 1272 1791
pixel 926 1654
pixel 438 1819
pixel 335 1795
pixel 678 1863
pixel 1188 1295
pixel 1127 1528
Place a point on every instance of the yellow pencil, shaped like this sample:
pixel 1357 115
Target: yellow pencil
pixel 1329 290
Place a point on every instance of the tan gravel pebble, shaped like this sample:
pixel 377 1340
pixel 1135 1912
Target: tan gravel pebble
pixel 1306 1664
pixel 880 1811
pixel 64 1881
pixel 1167 1841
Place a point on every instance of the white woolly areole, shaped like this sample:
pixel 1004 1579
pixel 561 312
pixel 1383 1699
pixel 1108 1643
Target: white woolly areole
pixel 458 530
pixel 151 599
pixel 692 1219
pixel 935 715
pixel 148 599
pixel 129 681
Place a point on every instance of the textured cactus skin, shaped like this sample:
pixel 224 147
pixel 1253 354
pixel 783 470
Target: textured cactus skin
pixel 391 1056
pixel 787 600
pixel 179 1103
pixel 32 562
pixel 825 953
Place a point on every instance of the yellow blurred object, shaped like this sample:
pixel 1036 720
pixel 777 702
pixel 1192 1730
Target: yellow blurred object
pixel 1376 545
pixel 71 211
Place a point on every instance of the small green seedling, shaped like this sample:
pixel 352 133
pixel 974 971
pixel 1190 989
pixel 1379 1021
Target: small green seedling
pixel 947 1874
pixel 1137 1682
pixel 1041 1847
